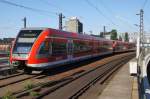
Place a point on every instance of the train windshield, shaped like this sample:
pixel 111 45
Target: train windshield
pixel 22 47
pixel 25 40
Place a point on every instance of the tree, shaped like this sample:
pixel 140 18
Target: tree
pixel 126 37
pixel 113 34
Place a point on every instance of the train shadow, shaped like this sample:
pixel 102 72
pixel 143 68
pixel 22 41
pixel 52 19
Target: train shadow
pixel 73 65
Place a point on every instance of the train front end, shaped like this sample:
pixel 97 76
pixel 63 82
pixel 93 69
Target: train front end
pixel 22 46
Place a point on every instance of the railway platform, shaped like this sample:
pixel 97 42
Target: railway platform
pixel 121 86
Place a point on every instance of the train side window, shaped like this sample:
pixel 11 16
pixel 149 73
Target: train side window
pixel 45 48
pixel 70 48
pixel 59 48
pixel 76 47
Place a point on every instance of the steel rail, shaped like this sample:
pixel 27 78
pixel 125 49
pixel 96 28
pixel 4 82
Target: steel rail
pixel 50 87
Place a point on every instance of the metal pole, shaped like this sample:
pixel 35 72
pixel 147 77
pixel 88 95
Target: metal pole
pixel 25 22
pixel 141 25
pixel 140 37
pixel 104 31
pixel 60 21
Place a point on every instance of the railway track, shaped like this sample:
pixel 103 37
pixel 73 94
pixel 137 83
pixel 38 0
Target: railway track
pixel 68 81
pixel 6 72
pixel 10 76
pixel 16 82
pixel 78 86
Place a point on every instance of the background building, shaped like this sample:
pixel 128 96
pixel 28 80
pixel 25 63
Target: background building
pixel 106 35
pixel 74 25
pixel 133 37
pixel 5 44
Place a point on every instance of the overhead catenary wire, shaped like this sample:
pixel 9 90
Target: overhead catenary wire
pixel 147 19
pixel 100 12
pixel 144 4
pixel 117 17
pixel 64 11
pixel 106 7
pixel 143 7
pixel 55 6
pixel 28 8
pixel 39 11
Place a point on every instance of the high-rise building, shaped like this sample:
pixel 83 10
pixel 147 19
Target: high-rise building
pixel 74 25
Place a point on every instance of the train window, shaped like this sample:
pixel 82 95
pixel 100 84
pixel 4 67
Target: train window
pixel 77 47
pixel 22 47
pixel 82 47
pixel 45 48
pixel 70 47
pixel 58 48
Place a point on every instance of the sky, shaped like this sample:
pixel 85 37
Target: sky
pixel 94 14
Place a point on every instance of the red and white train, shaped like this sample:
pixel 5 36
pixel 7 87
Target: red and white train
pixel 42 48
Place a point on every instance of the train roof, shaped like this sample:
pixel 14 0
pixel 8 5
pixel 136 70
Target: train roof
pixel 70 34
pixel 77 35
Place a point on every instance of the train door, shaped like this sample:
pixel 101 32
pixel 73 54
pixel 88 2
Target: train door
pixel 70 49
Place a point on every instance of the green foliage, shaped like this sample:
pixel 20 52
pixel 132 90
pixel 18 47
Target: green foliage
pixel 28 85
pixel 126 37
pixel 113 34
pixel 34 94
pixel 8 95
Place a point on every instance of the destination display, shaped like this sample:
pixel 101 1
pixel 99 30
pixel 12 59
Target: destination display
pixel 29 33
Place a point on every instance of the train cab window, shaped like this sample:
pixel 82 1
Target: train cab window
pixel 45 48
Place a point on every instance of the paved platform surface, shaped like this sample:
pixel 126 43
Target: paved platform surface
pixel 120 86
